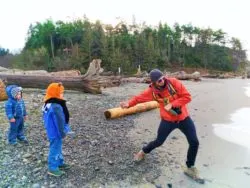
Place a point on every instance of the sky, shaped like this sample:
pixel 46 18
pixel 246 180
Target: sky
pixel 232 16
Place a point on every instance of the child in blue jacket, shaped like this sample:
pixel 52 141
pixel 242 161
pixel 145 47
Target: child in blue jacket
pixel 56 119
pixel 16 114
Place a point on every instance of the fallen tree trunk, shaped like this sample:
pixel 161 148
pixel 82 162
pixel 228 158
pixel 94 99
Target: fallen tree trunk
pixel 90 82
pixel 74 83
pixel 119 112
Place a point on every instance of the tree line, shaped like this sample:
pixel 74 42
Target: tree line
pixel 3 51
pixel 63 45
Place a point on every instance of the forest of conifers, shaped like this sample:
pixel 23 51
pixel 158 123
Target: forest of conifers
pixel 66 45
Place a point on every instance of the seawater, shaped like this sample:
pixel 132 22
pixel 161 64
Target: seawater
pixel 238 131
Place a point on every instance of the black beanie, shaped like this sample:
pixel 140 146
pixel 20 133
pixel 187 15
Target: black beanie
pixel 155 75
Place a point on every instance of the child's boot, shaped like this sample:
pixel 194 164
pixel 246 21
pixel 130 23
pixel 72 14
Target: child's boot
pixel 56 173
pixel 64 167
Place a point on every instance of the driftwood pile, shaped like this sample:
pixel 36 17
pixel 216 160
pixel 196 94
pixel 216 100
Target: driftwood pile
pixel 220 75
pixel 144 77
pixel 182 75
pixel 93 80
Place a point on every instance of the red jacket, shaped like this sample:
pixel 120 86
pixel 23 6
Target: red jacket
pixel 179 99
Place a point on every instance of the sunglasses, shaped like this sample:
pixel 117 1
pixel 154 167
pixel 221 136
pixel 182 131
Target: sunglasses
pixel 160 80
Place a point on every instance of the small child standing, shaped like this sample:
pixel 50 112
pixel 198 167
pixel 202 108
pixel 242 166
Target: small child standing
pixel 56 119
pixel 16 112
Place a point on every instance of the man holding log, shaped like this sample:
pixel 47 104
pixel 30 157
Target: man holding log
pixel 172 97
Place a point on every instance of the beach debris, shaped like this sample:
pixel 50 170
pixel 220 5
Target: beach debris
pixel 182 75
pixel 97 168
pixel 27 155
pixel 110 162
pixel 206 165
pixel 36 185
pixel 158 186
pixel 174 138
pixel 243 168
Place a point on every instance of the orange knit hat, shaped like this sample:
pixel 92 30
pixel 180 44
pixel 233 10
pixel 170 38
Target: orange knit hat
pixel 53 91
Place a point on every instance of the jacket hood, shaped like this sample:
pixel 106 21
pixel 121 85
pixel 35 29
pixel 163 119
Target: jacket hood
pixel 54 90
pixel 11 91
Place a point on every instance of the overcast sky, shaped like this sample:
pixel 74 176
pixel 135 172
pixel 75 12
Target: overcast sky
pixel 232 16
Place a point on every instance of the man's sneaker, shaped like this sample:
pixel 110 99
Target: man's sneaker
pixel 139 156
pixel 192 172
pixel 56 173
pixel 64 167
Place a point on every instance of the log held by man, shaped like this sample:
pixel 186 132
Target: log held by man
pixel 119 112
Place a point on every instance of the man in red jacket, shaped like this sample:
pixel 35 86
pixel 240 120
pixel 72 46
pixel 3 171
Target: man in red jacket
pixel 172 97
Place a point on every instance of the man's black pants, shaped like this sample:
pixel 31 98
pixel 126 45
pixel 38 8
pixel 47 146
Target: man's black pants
pixel 188 129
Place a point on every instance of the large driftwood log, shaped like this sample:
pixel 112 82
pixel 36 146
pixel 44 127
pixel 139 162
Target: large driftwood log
pixel 22 72
pixel 70 73
pixel 91 82
pixel 74 83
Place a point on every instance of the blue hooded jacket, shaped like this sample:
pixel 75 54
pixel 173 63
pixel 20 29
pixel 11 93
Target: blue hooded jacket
pixel 14 108
pixel 54 121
